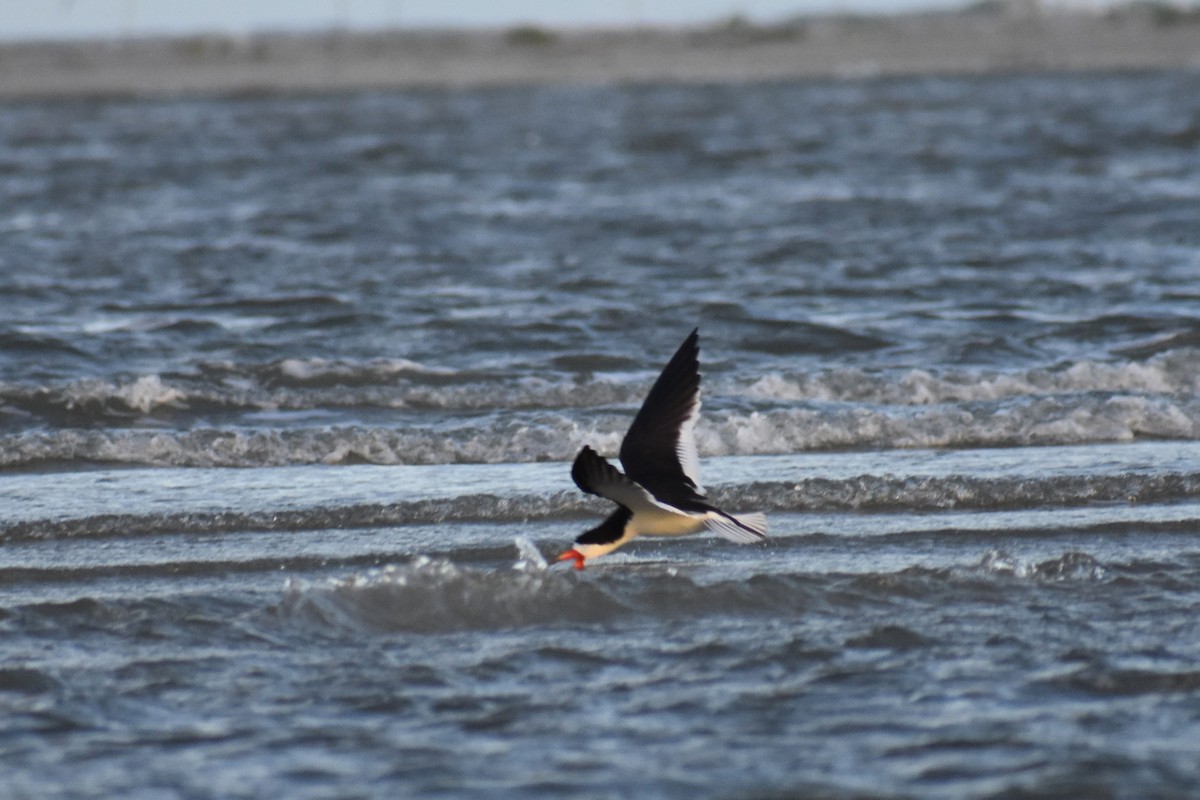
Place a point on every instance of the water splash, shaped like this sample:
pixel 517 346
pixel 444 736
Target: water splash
pixel 528 555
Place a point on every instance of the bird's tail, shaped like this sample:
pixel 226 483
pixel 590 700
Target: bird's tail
pixel 740 528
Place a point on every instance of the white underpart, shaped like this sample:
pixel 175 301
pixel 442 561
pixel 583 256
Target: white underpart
pixel 658 519
pixel 652 517
pixel 594 550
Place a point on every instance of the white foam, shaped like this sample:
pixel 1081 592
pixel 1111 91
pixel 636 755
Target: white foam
pixel 528 556
pixel 1037 420
pixel 1076 419
pixel 436 595
pixel 1175 372
pixel 145 394
pixel 312 369
pixel 1072 565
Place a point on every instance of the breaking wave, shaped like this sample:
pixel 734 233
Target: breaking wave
pixel 227 415
pixel 1019 422
pixel 399 384
pixel 517 436
pixel 268 447
pixel 436 595
pixel 1172 372
pixel 306 384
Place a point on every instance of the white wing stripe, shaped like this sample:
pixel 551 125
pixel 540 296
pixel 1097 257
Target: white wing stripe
pixel 742 529
pixel 685 449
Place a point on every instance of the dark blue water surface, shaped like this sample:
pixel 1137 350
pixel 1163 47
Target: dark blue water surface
pixel 288 385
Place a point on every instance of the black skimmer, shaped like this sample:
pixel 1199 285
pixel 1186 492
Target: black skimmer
pixel 659 494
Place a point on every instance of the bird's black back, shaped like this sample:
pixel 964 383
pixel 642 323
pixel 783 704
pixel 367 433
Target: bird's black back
pixel 608 531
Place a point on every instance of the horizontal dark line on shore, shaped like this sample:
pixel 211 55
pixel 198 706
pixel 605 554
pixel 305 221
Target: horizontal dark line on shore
pixel 953 43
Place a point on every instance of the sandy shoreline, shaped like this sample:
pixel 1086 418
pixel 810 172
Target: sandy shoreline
pixel 931 43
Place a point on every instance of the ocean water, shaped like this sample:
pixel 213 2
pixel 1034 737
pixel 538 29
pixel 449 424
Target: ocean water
pixel 289 387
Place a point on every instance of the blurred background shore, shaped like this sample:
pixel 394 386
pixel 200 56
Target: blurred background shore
pixel 993 36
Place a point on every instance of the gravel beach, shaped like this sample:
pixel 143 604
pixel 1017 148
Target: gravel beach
pixel 985 40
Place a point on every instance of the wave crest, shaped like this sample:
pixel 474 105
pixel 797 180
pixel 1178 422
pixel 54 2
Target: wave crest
pixel 529 437
pixel 436 595
pixel 1023 422
pixel 1173 372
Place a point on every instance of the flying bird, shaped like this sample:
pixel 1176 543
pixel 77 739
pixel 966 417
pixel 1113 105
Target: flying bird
pixel 659 494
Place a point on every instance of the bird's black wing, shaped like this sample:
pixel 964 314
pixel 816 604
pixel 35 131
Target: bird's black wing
pixel 659 451
pixel 609 531
pixel 593 474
